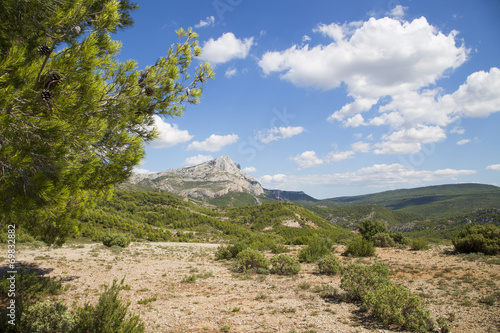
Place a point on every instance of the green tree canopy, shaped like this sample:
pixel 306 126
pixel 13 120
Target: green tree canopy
pixel 73 118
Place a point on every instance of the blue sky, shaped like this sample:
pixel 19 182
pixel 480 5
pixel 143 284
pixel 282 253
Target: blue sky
pixel 334 97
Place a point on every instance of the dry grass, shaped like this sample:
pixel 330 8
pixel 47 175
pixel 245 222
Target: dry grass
pixel 451 285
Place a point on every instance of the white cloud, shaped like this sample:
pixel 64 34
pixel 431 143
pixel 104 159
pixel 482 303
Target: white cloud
pixel 420 133
pixel 249 169
pixel 458 130
pixel 272 180
pixel 306 38
pixel 230 72
pixel 277 133
pixel 213 143
pixel 493 167
pixel 378 175
pixel 361 147
pixel 381 57
pixel 198 159
pixel 463 142
pixel 139 171
pixel 354 121
pixel 207 22
pixel 307 159
pixel 399 148
pixel 226 48
pixel 169 134
pixel 398 12
pixel 339 156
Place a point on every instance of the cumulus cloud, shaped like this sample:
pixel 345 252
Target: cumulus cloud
pixel 249 169
pixel 226 48
pixel 307 159
pixel 390 68
pixel 213 143
pixel 463 142
pixel 139 171
pixel 493 167
pixel 272 180
pixel 206 22
pixel 198 159
pixel 278 133
pixel 378 175
pixel 169 134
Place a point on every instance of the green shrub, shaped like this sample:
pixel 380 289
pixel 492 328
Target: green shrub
pixel 109 315
pixel 30 289
pixel 115 239
pixel 383 239
pixel 251 259
pixel 478 238
pixel 47 317
pixel 419 244
pixel 278 248
pixel 369 228
pixel 317 248
pixel 443 325
pixel 358 279
pixel 329 265
pixel 228 252
pixel 360 247
pixel 394 304
pixel 399 238
pixel 283 264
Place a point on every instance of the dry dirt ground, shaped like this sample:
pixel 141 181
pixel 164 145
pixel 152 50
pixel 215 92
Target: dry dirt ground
pixel 223 301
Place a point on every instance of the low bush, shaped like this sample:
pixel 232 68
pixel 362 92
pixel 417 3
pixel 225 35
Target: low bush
pixel 329 265
pixel 394 304
pixel 399 238
pixel 358 279
pixel 250 259
pixel 283 264
pixel 419 244
pixel 383 239
pixel 369 228
pixel 109 315
pixel 47 317
pixel 115 239
pixel 360 247
pixel 317 248
pixel 478 238
pixel 230 251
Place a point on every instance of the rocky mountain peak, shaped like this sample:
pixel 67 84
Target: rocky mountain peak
pixel 209 179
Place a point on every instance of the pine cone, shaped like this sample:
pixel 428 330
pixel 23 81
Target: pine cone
pixel 52 81
pixel 149 91
pixel 44 50
pixel 46 95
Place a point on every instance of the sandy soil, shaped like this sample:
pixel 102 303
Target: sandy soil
pixel 220 299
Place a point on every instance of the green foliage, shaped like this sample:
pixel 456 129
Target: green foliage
pixel 357 279
pixel 399 238
pixel 47 317
pixel 329 264
pixel 283 264
pixel 383 239
pixel 317 248
pixel 394 304
pixel 443 325
pixel 360 247
pixel 114 239
pixel 369 228
pixel 251 259
pixel 419 244
pixel 478 238
pixel 31 288
pixel 109 315
pixel 73 117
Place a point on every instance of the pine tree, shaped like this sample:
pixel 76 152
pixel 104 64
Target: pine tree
pixel 74 119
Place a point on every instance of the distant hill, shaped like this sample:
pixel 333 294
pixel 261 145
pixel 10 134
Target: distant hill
pixel 431 201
